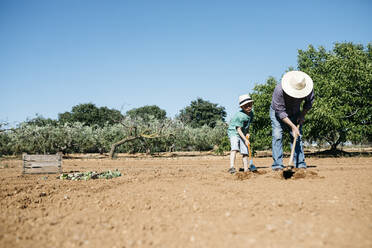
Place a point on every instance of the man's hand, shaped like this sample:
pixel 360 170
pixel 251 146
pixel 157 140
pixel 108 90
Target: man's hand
pixel 295 131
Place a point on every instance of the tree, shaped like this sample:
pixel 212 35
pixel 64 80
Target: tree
pixel 342 78
pixel 261 127
pixel 201 112
pixel 4 139
pixel 147 134
pixel 89 114
pixel 40 121
pixel 146 112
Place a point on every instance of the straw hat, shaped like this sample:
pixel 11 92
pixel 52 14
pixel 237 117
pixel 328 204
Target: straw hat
pixel 244 99
pixel 297 84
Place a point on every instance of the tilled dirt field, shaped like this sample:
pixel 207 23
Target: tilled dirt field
pixel 188 202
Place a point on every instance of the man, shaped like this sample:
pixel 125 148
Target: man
pixel 285 114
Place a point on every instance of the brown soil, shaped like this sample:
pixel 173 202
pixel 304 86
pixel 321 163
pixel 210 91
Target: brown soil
pixel 249 174
pixel 188 202
pixel 309 174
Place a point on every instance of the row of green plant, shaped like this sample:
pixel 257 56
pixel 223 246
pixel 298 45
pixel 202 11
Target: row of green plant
pixel 164 135
pixel 88 175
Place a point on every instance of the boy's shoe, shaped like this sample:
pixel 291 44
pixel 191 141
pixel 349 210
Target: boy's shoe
pixel 232 171
pixel 252 168
pixel 241 169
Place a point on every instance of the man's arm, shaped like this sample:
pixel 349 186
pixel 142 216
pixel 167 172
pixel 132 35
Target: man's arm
pixel 309 100
pixel 295 131
pixel 301 118
pixel 278 102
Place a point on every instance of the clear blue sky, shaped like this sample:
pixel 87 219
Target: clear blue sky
pixel 55 54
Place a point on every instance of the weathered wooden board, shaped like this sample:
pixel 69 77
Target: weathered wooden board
pixel 36 164
pixel 53 157
pixel 42 170
pixel 42 164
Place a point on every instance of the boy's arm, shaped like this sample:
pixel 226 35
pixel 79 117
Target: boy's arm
pixel 240 132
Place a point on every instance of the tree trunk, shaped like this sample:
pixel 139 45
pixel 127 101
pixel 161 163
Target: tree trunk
pixel 115 145
pixel 334 146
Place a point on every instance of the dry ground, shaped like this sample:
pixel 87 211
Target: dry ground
pixel 188 202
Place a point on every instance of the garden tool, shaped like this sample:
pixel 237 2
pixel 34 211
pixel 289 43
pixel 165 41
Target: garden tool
pixel 251 165
pixel 290 162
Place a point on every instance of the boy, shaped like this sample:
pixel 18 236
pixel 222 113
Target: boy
pixel 237 131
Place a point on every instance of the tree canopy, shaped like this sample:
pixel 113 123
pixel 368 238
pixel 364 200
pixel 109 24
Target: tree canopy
pixel 90 114
pixel 146 112
pixel 342 78
pixel 40 121
pixel 202 112
pixel 261 127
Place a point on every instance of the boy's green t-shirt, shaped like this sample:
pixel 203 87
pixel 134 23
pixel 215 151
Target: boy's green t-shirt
pixel 240 119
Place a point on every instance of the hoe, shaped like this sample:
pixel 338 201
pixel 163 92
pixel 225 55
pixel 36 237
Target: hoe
pixel 288 172
pixel 251 165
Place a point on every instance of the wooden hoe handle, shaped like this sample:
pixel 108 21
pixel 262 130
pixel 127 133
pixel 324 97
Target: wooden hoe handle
pixel 249 147
pixel 293 148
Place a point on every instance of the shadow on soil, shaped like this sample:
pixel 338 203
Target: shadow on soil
pixel 283 175
pixel 338 153
pixel 288 174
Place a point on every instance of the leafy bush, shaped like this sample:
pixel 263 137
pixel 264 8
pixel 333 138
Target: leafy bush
pixel 158 136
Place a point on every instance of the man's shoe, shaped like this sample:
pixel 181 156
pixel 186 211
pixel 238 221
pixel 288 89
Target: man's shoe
pixel 279 168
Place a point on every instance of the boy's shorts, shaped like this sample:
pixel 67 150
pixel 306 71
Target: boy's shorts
pixel 237 144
